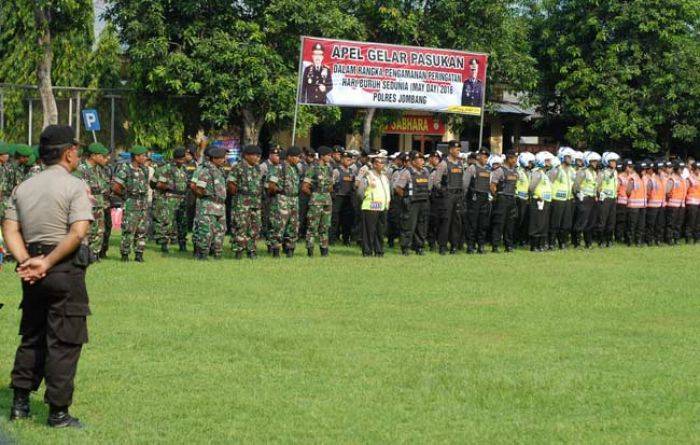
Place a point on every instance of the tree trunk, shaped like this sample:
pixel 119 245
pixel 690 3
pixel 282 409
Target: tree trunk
pixel 251 127
pixel 43 70
pixel 367 128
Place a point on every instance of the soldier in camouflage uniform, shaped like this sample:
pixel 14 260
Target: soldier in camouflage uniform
pixel 20 167
pixel 184 216
pixel 4 178
pixel 210 215
pixel 91 171
pixel 318 185
pixel 131 183
pixel 171 186
pixel 270 164
pixel 283 187
pixel 245 186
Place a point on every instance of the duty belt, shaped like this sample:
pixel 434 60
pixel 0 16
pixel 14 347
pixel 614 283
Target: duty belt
pixel 36 249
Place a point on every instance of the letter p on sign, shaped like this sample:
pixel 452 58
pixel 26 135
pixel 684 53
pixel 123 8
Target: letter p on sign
pixel 91 120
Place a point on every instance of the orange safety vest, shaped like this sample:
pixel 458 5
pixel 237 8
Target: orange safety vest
pixel 678 192
pixel 622 179
pixel 657 194
pixel 638 196
pixel 693 197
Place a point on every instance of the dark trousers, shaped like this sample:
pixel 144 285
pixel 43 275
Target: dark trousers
pixel 436 204
pixel 654 222
pixel 342 218
pixel 53 330
pixel 303 214
pixel 503 220
pixel 539 222
pixel 108 229
pixel 451 221
pixel 692 222
pixel 674 221
pixel 373 224
pixel 478 216
pixel 393 223
pixel 635 225
pixel 586 214
pixel 414 224
pixel 621 223
pixel 522 225
pixel 606 219
pixel 560 221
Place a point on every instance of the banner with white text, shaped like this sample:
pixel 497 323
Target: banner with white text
pixel 377 75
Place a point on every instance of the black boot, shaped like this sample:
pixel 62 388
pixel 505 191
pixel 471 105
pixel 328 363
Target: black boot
pixel 324 251
pixel 183 246
pixel 164 248
pixel 310 251
pixel 495 249
pixel 251 255
pixel 20 405
pixel 443 251
pixel 275 252
pixel 238 255
pixel 404 251
pixel 290 253
pixel 59 417
pixel 139 257
pixel 480 249
pixel 125 258
pixel 200 256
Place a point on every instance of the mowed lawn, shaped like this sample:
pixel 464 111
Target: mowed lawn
pixel 597 346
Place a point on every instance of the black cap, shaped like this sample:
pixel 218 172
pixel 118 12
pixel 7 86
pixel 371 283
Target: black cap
pixel 483 151
pixel 323 150
pixel 179 153
pixel 627 162
pixel 414 154
pixel 275 151
pixel 454 144
pixel 251 150
pixel 293 151
pixel 346 154
pixel 216 152
pixel 338 149
pixel 511 154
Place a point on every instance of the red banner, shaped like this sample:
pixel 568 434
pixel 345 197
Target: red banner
pixel 427 125
pixel 363 74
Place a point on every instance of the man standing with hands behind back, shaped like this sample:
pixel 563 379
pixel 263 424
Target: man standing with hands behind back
pixel 47 220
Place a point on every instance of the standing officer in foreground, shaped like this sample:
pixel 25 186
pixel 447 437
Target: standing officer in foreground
pixel 449 179
pixel 47 219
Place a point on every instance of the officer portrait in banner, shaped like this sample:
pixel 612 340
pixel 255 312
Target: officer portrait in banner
pixel 317 80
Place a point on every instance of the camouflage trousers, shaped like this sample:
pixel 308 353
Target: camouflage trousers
pixel 182 222
pixel 319 218
pixel 97 230
pixel 284 221
pixel 246 223
pixel 210 230
pixel 165 219
pixel 134 225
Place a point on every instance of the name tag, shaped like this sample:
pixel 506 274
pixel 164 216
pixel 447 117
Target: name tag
pixel 375 205
pixel 484 174
pixel 422 181
pixel 456 170
pixel 512 178
pixel 347 178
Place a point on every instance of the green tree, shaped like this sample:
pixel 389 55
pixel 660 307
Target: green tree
pixel 620 74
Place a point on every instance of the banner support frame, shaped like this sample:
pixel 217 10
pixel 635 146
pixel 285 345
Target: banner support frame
pixel 299 79
pixel 483 112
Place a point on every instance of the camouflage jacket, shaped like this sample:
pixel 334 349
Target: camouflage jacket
pixel 286 177
pixel 320 177
pixel 212 180
pixel 248 180
pixel 96 178
pixel 5 180
pixel 134 180
pixel 174 176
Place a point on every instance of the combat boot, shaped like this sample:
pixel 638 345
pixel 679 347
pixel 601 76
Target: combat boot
pixel 324 251
pixel 310 251
pixel 404 251
pixel 183 246
pixel 252 255
pixel 125 258
pixel 59 417
pixel 200 256
pixel 20 405
pixel 238 255
pixel 275 252
pixel 290 253
pixel 480 249
pixel 139 257
pixel 164 248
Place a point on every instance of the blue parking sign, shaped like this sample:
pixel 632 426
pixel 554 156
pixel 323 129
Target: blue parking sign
pixel 91 120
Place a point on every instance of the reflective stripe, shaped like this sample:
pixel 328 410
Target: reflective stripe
pixel 543 191
pixel 622 189
pixel 638 197
pixel 561 187
pixel 693 196
pixel 608 189
pixel 522 185
pixel 678 192
pixel 657 193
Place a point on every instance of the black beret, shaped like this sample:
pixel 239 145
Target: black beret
pixel 216 152
pixel 323 150
pixel 338 149
pixel 454 144
pixel 251 150
pixel 275 151
pixel 414 154
pixel 483 151
pixel 179 153
pixel 293 151
pixel 511 154
pixel 347 154
pixel 55 137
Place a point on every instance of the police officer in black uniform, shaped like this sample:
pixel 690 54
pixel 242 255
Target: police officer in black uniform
pixel 343 190
pixel 47 220
pixel 478 178
pixel 317 80
pixel 450 180
pixel 505 210
pixel 413 188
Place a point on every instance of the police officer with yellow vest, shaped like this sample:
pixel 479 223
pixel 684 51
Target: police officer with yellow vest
pixel 562 213
pixel 586 193
pixel 504 214
pixel 526 162
pixel 540 201
pixel 607 193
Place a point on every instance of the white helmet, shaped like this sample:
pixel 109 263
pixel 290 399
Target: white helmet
pixel 495 159
pixel 576 155
pixel 555 162
pixel 564 152
pixel 542 157
pixel 525 159
pixel 590 156
pixel 610 156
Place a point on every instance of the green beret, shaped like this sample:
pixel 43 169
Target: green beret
pixel 23 150
pixel 31 160
pixel 138 150
pixel 4 148
pixel 97 149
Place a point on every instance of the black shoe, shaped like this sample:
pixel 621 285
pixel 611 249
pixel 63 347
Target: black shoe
pixel 453 251
pixel 275 252
pixel 443 251
pixel 269 249
pixel 346 243
pixel 125 258
pixel 404 251
pixel 470 250
pixel 238 255
pixel 183 246
pixel 164 248
pixel 390 243
pixel 324 251
pixel 379 254
pixel 509 249
pixel 420 252
pixel 103 255
pixel 251 255
pixel 480 250
pixel 200 256
pixel 290 253
pixel 365 254
pixel 310 251
pixel 495 249
pixel 61 418
pixel 139 257
pixel 20 405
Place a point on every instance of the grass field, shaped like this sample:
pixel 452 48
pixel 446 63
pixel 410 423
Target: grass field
pixel 595 346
